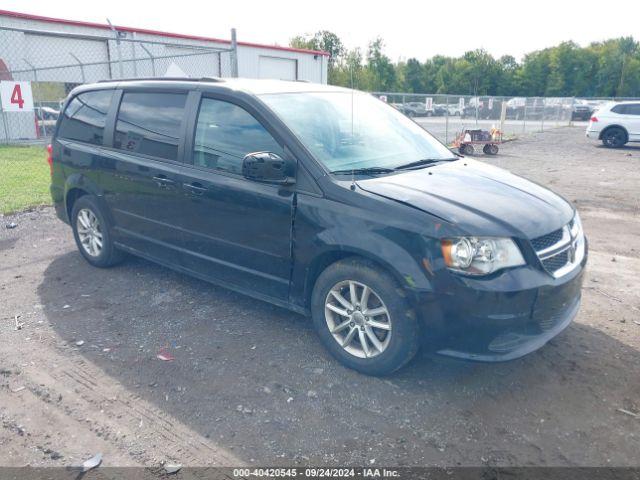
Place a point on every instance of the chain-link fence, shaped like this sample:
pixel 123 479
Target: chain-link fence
pixel 55 62
pixel 447 115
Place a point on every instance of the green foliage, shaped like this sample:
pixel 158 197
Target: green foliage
pixel 25 178
pixel 325 41
pixel 603 69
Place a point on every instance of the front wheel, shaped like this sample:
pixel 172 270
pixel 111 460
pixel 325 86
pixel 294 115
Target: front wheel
pixel 614 138
pixel 466 149
pixel 363 318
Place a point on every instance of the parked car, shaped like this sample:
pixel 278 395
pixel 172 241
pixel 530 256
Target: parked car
pixel 581 110
pixel 416 109
pixel 46 113
pixel 616 124
pixel 324 201
pixel 440 110
pixel 454 110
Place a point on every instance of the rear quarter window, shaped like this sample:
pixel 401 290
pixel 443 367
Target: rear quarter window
pixel 85 116
pixel 632 109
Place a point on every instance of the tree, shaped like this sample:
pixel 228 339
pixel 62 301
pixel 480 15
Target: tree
pixel 605 69
pixel 325 41
pixel 380 67
pixel 413 76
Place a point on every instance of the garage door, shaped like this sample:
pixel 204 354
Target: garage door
pixel 278 68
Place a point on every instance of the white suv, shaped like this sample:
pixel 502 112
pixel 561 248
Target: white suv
pixel 616 124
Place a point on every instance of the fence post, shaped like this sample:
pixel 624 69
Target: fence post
pixel 133 55
pixel 81 67
pixel 477 100
pixel 233 54
pixel 35 79
pixel 6 130
pixel 446 120
pixel 118 47
pixel 524 116
pixel 573 103
pixel 542 116
pixel 153 60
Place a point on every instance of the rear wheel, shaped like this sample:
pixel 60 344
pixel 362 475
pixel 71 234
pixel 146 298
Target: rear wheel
pixel 363 319
pixel 490 149
pixel 91 231
pixel 614 137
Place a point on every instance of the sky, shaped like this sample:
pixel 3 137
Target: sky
pixel 419 29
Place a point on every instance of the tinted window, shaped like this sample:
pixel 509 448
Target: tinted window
pixel 619 109
pixel 84 118
pixel 225 133
pixel 149 123
pixel 633 109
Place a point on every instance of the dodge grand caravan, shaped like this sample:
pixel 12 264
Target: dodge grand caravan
pixel 325 201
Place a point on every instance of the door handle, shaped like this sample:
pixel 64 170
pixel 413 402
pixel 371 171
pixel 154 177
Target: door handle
pixel 195 188
pixel 163 181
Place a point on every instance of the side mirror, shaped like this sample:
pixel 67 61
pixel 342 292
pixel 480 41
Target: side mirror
pixel 268 167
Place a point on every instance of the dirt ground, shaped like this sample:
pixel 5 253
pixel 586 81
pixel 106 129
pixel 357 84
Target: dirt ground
pixel 251 384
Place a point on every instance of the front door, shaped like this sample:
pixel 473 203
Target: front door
pixel 236 231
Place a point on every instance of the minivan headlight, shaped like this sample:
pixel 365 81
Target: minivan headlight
pixel 480 255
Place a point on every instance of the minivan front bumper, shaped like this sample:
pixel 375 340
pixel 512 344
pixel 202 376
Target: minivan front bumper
pixel 503 318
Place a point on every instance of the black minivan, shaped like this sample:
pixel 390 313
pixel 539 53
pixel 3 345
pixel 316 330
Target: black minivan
pixel 325 201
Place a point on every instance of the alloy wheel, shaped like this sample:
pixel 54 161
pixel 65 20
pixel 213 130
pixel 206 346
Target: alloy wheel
pixel 89 232
pixel 358 319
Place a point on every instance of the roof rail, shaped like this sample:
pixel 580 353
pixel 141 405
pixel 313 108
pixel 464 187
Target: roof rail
pixel 168 79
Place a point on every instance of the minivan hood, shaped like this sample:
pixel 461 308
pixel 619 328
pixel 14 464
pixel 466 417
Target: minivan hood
pixel 478 198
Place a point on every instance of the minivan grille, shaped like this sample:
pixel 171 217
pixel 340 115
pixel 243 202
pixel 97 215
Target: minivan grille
pixel 556 262
pixel 546 241
pixel 561 249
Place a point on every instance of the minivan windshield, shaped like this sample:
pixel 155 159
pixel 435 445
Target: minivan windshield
pixel 355 131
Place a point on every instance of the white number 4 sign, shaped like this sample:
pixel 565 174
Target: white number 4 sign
pixel 16 96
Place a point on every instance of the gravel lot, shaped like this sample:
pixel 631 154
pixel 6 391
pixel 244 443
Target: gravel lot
pixel 250 383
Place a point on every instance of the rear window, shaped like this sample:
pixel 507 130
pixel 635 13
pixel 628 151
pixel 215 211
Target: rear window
pixel 149 123
pixel 84 118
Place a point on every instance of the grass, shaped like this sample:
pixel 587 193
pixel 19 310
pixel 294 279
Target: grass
pixel 24 178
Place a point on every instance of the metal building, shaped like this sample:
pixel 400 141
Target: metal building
pixel 53 55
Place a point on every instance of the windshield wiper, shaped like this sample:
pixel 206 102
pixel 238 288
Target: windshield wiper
pixel 365 170
pixel 423 162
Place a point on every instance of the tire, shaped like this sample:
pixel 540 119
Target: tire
pixel 466 149
pixel 490 149
pixel 410 114
pixel 397 342
pixel 89 222
pixel 614 137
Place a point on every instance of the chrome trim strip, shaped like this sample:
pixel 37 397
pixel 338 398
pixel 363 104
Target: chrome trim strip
pixel 564 241
pixel 572 239
pixel 579 256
